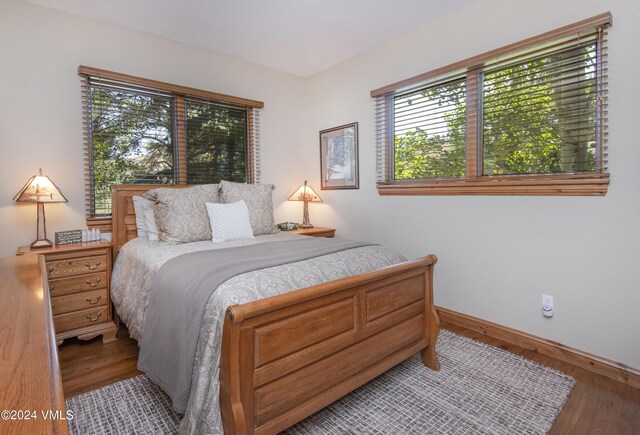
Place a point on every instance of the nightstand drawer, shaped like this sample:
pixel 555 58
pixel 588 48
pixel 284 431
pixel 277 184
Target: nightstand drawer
pixel 80 319
pixel 66 286
pixel 76 266
pixel 79 301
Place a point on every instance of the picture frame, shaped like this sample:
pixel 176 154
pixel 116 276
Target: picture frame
pixel 339 167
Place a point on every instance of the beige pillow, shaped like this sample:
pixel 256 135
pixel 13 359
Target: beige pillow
pixel 259 200
pixel 181 214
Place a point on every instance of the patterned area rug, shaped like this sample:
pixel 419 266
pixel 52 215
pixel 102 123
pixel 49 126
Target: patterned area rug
pixel 479 389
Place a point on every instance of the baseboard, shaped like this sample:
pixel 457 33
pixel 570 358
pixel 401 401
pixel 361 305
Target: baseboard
pixel 595 364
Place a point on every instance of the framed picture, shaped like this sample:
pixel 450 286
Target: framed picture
pixel 339 157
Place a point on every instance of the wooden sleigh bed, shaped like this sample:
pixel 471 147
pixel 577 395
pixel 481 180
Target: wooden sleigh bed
pixel 288 356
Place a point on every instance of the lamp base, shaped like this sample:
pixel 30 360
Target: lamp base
pixel 305 216
pixel 42 243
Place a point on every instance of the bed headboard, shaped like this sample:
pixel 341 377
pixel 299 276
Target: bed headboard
pixel 123 215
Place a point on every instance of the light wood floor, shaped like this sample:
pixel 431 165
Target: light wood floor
pixel 597 405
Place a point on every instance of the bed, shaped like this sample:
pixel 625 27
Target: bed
pixel 287 356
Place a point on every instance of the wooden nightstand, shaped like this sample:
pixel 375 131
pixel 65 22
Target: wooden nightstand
pixel 79 277
pixel 315 232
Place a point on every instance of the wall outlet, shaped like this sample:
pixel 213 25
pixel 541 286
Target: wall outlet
pixel 547 306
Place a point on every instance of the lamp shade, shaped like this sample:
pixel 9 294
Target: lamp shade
pixel 305 193
pixel 40 188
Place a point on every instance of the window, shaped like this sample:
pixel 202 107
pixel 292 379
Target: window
pixel 216 137
pixel 140 131
pixel 524 119
pixel 429 132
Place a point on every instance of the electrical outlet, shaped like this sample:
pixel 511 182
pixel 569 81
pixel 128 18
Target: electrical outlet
pixel 547 305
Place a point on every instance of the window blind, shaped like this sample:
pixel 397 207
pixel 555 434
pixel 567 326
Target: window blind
pixel 255 172
pixel 534 108
pixel 132 140
pixel 216 142
pixel 539 113
pixel 140 131
pixel 383 116
pixel 429 131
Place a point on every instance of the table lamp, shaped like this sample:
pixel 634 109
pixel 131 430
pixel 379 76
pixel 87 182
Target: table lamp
pixel 306 194
pixel 40 189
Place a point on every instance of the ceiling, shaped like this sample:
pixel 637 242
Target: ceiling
pixel 301 37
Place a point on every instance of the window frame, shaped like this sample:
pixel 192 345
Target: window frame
pixel 179 95
pixel 474 183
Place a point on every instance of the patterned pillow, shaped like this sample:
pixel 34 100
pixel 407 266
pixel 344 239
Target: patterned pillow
pixel 229 221
pixel 181 214
pixel 259 201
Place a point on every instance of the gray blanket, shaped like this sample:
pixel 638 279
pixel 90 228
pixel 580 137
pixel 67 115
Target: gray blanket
pixel 180 293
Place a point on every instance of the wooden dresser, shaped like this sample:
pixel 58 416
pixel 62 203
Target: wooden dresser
pixel 79 278
pixel 30 382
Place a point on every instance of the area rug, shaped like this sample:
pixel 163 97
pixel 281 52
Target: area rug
pixel 479 389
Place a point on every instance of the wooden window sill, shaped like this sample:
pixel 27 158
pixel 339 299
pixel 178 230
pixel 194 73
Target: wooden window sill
pixel 525 185
pixel 102 223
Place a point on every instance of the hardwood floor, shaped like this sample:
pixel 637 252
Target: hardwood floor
pixel 87 365
pixel 597 404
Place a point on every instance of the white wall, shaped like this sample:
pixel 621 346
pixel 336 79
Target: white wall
pixel 498 255
pixel 40 106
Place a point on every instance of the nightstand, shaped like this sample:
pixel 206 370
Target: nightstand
pixel 315 232
pixel 79 276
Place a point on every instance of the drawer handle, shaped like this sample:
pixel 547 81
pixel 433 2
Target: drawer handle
pixel 94 302
pixel 94 319
pixel 51 287
pixel 88 266
pixel 49 271
pixel 93 284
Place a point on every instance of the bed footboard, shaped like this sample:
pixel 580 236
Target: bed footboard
pixel 286 357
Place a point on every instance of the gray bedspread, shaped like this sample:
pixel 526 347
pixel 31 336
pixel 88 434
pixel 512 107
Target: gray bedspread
pixel 173 320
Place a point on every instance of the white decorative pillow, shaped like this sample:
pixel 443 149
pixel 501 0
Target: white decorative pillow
pixel 150 222
pixel 258 198
pixel 138 207
pixel 229 221
pixel 145 219
pixel 180 213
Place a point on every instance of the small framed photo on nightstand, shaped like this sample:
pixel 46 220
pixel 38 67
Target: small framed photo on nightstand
pixel 68 237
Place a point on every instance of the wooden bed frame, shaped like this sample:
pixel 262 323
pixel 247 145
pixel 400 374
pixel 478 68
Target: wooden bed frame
pixel 288 356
